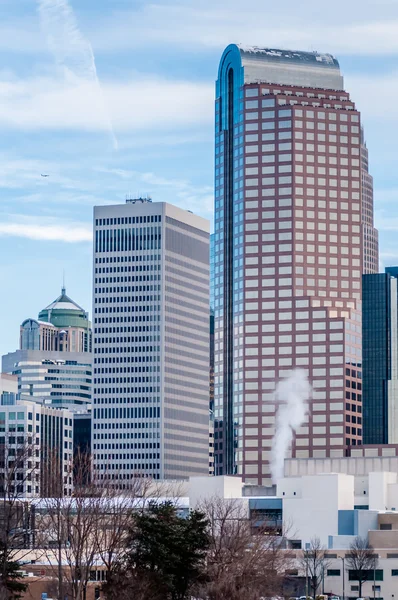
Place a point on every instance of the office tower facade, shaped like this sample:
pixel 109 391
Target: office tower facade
pixel 151 342
pixel 370 235
pixel 40 440
pixel 8 388
pixel 211 398
pixel 380 357
pixel 54 364
pixel 288 253
pixel 60 379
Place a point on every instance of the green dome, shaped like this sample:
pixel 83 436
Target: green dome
pixel 64 312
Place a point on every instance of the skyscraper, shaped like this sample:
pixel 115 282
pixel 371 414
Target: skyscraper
pixel 151 341
pixel 53 363
pixel 289 187
pixel 370 235
pixel 380 357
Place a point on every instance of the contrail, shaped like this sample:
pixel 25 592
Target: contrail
pixel 70 48
pixel 293 394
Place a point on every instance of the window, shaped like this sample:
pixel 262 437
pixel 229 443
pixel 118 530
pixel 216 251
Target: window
pixel 333 572
pixel 371 575
pixel 267 103
pixel 385 526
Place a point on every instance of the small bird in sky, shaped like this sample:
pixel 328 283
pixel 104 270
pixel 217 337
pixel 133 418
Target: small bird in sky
pixel 44 175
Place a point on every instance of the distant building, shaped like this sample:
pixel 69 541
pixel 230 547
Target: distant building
pixel 151 341
pixel 211 398
pixel 41 438
pixel 82 431
pixel 54 364
pixel 8 388
pixel 60 379
pixel 370 235
pixel 62 326
pixel 380 357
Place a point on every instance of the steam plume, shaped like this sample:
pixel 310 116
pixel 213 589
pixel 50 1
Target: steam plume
pixel 293 394
pixel 72 50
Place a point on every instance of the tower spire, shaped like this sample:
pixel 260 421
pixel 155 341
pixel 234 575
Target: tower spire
pixel 63 290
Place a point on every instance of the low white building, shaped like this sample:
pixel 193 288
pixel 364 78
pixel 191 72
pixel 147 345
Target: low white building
pixel 334 507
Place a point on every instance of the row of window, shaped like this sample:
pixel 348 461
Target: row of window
pixel 128 220
pixel 343 150
pixel 308 112
pixel 129 258
pixel 124 309
pixel 136 412
pixel 253 92
pixel 123 240
pixel 132 467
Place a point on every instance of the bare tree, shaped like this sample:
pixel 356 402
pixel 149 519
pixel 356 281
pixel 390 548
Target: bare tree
pixel 68 528
pixel 314 563
pixel 19 479
pixel 242 561
pixel 361 559
pixel 117 508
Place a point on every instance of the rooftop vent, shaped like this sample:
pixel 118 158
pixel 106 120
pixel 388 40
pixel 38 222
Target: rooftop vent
pixel 141 200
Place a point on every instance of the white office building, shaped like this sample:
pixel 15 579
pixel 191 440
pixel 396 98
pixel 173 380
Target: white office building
pixel 151 342
pixel 36 449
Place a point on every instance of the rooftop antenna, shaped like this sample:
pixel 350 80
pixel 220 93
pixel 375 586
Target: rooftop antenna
pixel 63 283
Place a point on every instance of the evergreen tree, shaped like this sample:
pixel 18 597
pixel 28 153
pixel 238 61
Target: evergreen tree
pixel 11 584
pixel 165 558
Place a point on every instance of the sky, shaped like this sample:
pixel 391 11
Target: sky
pixel 114 98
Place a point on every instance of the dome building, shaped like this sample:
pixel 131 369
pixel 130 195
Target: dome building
pixel 54 362
pixel 63 326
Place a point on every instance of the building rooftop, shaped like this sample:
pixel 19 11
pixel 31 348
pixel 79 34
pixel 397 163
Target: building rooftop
pixel 297 56
pixel 64 312
pixel 283 67
pixel 63 302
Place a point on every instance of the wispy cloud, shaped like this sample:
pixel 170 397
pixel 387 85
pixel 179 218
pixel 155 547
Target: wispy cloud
pixel 45 229
pixel 353 27
pixel 73 52
pixel 44 103
pixel 341 27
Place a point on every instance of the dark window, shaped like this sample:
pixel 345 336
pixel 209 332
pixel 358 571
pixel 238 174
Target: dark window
pixel 333 572
pixel 371 575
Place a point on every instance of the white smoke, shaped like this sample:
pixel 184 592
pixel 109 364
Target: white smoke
pixel 292 394
pixel 72 51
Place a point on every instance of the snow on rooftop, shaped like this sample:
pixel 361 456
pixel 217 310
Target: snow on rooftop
pixel 290 54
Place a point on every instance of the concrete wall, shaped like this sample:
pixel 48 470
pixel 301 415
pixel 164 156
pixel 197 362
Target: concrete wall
pixel 311 505
pixel 8 383
pixel 205 488
pixel 340 542
pixel 359 466
pixel 384 539
pixel 379 488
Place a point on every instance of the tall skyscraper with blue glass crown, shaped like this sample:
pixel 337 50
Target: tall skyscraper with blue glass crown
pixel 293 204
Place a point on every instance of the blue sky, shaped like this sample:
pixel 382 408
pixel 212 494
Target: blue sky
pixel 115 97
